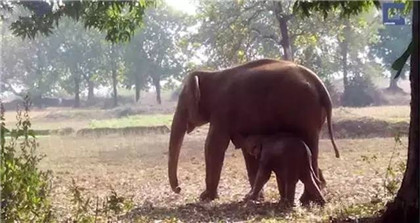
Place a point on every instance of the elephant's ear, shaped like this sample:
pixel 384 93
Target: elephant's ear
pixel 194 95
pixel 196 89
pixel 257 151
pixel 253 145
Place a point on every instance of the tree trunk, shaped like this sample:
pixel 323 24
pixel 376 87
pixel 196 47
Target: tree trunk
pixel 285 39
pixel 393 85
pixel 405 207
pixel 344 52
pixel 91 93
pixel 114 77
pixel 138 88
pixel 76 92
pixel 156 82
pixel 114 87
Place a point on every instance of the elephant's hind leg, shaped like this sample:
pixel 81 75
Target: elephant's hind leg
pixel 310 182
pixel 216 144
pixel 313 143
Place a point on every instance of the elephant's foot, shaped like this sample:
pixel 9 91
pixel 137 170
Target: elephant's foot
pixel 286 204
pixel 251 196
pixel 305 199
pixel 208 196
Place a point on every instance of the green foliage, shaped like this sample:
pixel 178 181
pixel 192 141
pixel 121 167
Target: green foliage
pixel 392 179
pixel 30 66
pixel 232 32
pixel 80 205
pixel 346 8
pixel 391 43
pixel 155 53
pixel 392 176
pixel 25 188
pixel 119 19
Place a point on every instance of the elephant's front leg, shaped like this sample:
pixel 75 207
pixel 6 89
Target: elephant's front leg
pixel 216 144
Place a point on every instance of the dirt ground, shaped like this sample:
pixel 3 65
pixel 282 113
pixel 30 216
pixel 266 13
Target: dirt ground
pixel 136 167
pixel 358 184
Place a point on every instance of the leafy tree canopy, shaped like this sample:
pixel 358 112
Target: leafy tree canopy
pixel 119 19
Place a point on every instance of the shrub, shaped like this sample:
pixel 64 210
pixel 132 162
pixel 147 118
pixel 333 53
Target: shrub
pixel 25 189
pixel 361 92
pixel 108 209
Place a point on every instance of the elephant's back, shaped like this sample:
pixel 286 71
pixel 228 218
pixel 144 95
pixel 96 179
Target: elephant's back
pixel 271 96
pixel 267 73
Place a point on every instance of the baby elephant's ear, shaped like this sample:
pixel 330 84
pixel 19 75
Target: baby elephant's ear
pixel 257 150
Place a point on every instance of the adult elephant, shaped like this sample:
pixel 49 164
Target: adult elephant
pixel 260 97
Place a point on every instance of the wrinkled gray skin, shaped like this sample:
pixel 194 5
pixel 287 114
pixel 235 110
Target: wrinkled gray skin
pixel 289 158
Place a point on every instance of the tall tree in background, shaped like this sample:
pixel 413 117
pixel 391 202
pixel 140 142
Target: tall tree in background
pixel 29 66
pixel 405 207
pixel 157 54
pixel 238 31
pixel 80 54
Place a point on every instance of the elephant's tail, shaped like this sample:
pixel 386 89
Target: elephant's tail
pixel 312 173
pixel 325 102
pixel 328 108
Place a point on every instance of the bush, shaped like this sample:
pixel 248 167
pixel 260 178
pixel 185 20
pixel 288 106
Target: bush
pixel 108 209
pixel 361 92
pixel 24 188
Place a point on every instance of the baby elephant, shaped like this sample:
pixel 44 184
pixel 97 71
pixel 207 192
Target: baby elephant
pixel 289 158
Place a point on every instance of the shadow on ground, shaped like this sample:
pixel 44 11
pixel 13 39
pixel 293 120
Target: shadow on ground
pixel 228 212
pixel 199 212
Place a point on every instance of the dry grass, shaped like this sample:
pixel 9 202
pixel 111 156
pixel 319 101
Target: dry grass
pixel 137 167
pixel 56 118
pixel 385 113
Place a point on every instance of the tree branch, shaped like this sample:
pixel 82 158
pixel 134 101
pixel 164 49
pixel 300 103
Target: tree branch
pixel 293 36
pixel 270 37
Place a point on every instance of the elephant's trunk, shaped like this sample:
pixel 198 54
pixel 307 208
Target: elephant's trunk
pixel 178 130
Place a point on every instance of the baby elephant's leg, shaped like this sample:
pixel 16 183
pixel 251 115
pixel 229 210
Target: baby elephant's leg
pixel 281 185
pixel 290 190
pixel 263 175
